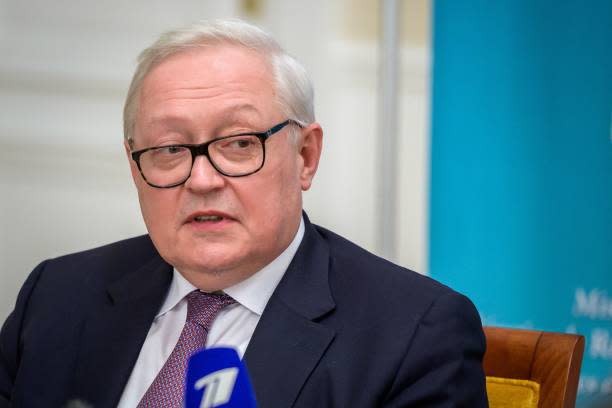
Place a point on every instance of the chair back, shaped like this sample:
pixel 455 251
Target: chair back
pixel 550 359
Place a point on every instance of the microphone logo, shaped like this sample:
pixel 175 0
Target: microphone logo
pixel 218 387
pixel 216 377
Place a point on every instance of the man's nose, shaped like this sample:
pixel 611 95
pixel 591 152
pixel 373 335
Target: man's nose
pixel 204 176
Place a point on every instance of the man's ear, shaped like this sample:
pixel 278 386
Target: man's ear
pixel 309 149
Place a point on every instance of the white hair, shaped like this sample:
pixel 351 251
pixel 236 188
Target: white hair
pixel 291 81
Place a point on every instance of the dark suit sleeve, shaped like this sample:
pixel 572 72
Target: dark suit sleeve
pixel 10 339
pixel 443 364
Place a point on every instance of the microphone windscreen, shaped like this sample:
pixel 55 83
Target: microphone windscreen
pixel 217 377
pixel 77 403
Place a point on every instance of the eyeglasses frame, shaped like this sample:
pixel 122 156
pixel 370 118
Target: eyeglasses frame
pixel 202 150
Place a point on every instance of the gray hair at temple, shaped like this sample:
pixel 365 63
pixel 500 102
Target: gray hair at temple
pixel 292 84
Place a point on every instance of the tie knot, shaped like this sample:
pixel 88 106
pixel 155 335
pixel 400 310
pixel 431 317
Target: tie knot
pixel 202 307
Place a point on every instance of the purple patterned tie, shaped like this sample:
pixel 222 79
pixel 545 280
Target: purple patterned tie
pixel 167 390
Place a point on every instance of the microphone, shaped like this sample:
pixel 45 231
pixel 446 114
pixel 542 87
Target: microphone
pixel 217 377
pixel 77 403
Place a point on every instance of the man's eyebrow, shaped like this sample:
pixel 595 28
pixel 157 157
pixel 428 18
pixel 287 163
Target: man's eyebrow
pixel 244 114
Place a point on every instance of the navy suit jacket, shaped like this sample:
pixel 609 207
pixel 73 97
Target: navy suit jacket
pixel 344 328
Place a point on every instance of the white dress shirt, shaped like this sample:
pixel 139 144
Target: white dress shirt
pixel 233 327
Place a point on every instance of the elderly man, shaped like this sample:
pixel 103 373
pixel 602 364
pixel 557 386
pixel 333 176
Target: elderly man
pixel 221 138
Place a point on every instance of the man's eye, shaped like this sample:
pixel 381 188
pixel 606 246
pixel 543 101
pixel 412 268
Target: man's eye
pixel 168 152
pixel 241 143
pixel 171 150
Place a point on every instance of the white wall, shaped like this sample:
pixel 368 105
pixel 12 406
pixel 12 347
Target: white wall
pixel 64 71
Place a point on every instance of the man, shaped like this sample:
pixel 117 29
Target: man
pixel 222 140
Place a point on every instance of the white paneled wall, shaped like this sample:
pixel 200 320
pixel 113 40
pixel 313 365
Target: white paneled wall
pixel 64 71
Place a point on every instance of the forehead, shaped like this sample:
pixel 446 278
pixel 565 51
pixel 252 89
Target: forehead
pixel 213 78
pixel 222 61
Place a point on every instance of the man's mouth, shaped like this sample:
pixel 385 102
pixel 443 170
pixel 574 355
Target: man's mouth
pixel 208 218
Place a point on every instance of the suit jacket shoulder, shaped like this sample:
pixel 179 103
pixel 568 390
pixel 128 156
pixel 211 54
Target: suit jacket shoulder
pixel 359 269
pixel 347 328
pixel 79 322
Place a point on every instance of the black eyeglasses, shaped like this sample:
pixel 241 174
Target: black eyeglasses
pixel 233 156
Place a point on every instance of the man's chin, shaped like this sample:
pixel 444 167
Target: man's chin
pixel 215 274
pixel 213 261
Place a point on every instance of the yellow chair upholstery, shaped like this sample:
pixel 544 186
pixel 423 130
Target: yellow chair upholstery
pixel 512 393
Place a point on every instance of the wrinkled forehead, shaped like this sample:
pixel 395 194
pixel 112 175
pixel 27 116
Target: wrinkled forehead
pixel 207 82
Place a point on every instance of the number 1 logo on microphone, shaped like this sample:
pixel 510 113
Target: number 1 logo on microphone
pixel 216 377
pixel 218 387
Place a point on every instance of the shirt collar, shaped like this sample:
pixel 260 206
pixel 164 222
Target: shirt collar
pixel 253 292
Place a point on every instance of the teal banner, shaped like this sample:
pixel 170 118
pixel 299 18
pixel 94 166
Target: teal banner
pixel 521 177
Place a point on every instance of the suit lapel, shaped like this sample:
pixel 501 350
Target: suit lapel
pixel 114 333
pixel 288 342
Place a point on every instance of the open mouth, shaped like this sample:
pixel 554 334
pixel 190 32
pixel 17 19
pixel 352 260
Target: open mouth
pixel 208 218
